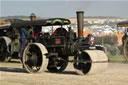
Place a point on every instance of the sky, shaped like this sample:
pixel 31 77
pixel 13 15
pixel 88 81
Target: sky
pixel 64 8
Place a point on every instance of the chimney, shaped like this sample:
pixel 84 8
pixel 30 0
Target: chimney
pixel 80 23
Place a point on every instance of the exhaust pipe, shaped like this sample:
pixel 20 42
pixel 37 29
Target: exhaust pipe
pixel 80 23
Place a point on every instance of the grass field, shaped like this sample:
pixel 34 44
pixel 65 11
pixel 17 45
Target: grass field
pixel 111 58
pixel 116 58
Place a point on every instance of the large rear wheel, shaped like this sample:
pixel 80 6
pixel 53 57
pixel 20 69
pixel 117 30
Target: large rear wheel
pixel 3 51
pixel 34 59
pixel 125 49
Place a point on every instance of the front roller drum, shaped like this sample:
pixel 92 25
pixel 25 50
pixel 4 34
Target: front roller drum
pixel 34 59
pixel 125 49
pixel 90 62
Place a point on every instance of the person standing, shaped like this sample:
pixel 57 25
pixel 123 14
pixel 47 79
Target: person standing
pixel 23 39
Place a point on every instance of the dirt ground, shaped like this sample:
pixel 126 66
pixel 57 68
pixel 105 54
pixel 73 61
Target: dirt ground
pixel 13 74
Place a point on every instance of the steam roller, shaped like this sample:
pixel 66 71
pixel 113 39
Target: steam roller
pixel 85 62
pixel 53 52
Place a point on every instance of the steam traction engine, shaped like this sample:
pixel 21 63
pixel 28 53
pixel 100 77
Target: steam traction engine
pixel 124 38
pixel 9 44
pixel 53 51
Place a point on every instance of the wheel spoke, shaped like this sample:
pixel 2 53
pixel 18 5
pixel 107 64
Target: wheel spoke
pixel 29 54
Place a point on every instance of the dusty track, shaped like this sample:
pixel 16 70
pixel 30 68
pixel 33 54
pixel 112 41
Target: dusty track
pixel 13 74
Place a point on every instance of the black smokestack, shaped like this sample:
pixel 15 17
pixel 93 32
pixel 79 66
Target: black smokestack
pixel 80 23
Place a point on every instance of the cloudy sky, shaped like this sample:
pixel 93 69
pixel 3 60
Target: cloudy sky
pixel 64 8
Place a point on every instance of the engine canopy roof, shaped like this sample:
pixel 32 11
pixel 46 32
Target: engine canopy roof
pixel 42 22
pixel 122 24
